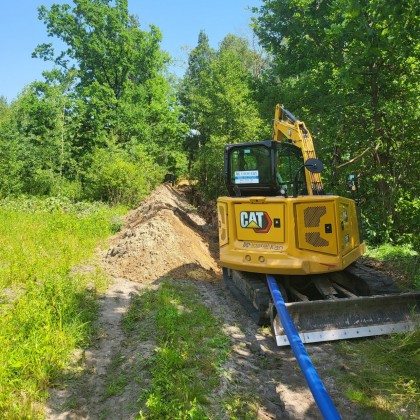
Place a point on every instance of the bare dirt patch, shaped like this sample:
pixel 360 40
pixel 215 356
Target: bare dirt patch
pixel 166 238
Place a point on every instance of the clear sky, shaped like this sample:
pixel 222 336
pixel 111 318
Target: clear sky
pixel 180 22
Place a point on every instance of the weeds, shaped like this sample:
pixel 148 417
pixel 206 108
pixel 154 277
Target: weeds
pixel 116 382
pixel 402 259
pixel 239 406
pixel 47 309
pixel 384 374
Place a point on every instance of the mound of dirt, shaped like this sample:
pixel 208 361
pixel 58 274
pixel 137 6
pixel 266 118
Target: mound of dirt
pixel 164 236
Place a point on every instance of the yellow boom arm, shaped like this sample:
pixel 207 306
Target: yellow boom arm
pixel 288 128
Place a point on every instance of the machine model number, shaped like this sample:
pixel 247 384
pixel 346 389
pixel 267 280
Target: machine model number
pixel 272 247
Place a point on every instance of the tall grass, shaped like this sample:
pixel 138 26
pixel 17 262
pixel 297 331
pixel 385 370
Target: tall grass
pixel 403 260
pixel 382 375
pixel 46 308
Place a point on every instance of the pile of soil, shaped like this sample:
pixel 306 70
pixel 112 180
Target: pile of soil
pixel 164 237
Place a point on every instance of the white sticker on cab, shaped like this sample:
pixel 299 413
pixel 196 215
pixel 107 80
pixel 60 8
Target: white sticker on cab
pixel 246 177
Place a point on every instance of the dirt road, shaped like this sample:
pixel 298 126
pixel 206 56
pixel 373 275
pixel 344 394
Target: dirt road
pixel 166 237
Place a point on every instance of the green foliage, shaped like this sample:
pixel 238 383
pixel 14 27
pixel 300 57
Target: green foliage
pixel 208 168
pixel 217 93
pixel 105 41
pixel 193 99
pixel 190 349
pixel 37 143
pixel 116 176
pixel 382 374
pixel 240 406
pixel 105 122
pixel 46 308
pixel 37 336
pixel 119 88
pixel 401 258
pixel 30 227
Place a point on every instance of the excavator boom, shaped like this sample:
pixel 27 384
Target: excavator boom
pixel 289 129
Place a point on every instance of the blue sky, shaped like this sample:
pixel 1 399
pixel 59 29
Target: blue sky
pixel 179 20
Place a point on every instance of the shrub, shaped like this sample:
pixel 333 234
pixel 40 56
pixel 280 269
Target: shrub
pixel 115 176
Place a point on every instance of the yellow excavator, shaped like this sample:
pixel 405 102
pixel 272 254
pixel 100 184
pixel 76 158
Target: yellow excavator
pixel 278 220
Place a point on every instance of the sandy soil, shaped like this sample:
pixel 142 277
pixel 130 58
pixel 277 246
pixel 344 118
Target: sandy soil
pixel 166 237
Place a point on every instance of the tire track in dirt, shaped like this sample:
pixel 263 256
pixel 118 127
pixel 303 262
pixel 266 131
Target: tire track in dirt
pixel 166 238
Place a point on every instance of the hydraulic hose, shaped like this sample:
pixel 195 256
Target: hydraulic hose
pixel 320 394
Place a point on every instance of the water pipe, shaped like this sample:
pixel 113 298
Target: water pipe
pixel 320 394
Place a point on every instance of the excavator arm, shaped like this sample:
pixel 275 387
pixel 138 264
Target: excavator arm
pixel 287 128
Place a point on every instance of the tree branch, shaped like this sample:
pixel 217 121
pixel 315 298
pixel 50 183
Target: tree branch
pixel 354 159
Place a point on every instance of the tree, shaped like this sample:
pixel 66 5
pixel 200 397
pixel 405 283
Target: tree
pixel 119 66
pixel 35 139
pixel 350 69
pixel 10 152
pixel 221 94
pixel 4 108
pixel 192 99
pixel 120 98
pixel 115 61
pixel 104 42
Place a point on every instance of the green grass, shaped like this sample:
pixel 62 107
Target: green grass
pixel 241 406
pixel 190 349
pixel 382 374
pixel 46 308
pixel 116 380
pixel 402 259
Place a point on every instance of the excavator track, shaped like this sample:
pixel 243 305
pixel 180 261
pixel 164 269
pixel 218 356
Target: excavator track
pixel 252 292
pixel 356 302
pixel 365 281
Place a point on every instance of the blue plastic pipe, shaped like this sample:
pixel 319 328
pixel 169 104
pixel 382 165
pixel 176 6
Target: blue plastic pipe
pixel 320 394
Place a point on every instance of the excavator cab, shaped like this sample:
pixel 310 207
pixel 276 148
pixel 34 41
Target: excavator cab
pixel 266 168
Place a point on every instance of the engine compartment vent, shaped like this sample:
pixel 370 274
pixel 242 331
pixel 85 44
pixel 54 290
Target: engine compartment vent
pixel 312 215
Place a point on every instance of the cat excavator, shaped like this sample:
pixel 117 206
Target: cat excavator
pixel 278 220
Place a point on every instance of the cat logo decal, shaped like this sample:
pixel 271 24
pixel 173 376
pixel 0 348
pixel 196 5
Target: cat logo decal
pixel 258 220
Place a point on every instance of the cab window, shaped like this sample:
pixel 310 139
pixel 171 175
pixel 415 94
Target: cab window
pixel 288 162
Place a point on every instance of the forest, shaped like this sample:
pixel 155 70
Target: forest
pixel 109 121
